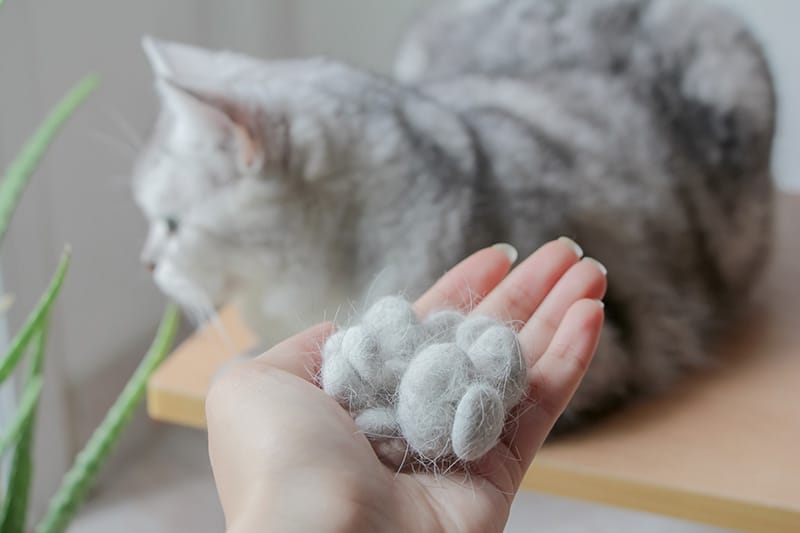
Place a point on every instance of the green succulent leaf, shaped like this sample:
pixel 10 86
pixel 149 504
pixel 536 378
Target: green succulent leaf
pixel 88 462
pixel 25 409
pixel 15 506
pixel 22 167
pixel 21 340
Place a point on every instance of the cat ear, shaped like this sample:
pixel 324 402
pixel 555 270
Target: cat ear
pixel 175 60
pixel 155 56
pixel 222 121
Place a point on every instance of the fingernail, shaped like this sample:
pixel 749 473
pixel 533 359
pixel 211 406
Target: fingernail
pixel 601 303
pixel 509 250
pixel 597 263
pixel 572 244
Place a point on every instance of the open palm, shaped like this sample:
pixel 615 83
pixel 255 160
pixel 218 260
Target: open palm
pixel 286 457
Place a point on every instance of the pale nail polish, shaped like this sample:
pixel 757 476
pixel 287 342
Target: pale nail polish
pixel 509 250
pixel 601 303
pixel 598 264
pixel 572 244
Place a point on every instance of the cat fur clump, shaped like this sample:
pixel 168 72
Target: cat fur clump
pixel 420 391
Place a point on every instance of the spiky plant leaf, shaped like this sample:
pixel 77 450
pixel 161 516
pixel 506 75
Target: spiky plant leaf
pixel 25 409
pixel 25 163
pixel 21 340
pixel 88 462
pixel 15 506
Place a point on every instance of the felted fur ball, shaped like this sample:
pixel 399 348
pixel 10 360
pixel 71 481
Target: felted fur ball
pixel 440 388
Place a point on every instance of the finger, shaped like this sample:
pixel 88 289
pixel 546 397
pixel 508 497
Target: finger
pixel 554 379
pixel 468 281
pixel 516 297
pixel 298 355
pixel 584 280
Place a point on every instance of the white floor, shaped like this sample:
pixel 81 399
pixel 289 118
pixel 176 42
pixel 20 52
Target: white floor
pixel 167 488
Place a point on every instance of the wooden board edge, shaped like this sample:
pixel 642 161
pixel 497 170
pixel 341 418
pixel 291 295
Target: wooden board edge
pixel 175 408
pixel 688 505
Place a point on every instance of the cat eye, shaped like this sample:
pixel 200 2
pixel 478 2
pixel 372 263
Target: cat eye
pixel 172 224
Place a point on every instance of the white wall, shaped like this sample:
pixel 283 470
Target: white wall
pixel 362 31
pixel 109 306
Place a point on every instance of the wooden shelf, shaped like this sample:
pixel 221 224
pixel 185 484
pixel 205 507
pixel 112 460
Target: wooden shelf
pixel 176 392
pixel 723 447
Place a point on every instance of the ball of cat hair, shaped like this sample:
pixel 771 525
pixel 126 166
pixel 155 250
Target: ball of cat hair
pixel 338 377
pixel 362 364
pixel 478 422
pixel 428 395
pixel 498 360
pixel 440 326
pixel 409 391
pixel 454 397
pixel 333 345
pixel 395 326
pixel 354 369
pixel 368 358
pixel 471 328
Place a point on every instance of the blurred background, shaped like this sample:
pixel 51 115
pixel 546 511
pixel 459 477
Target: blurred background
pixel 159 479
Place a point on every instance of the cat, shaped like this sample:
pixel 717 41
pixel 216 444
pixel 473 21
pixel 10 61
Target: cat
pixel 641 128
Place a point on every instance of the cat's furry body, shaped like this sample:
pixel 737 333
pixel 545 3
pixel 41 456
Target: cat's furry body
pixel 642 129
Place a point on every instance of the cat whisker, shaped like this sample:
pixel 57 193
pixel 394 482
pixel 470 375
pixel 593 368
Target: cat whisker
pixel 133 137
pixel 120 146
pixel 212 317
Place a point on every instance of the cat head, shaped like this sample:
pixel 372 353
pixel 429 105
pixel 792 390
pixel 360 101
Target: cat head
pixel 202 180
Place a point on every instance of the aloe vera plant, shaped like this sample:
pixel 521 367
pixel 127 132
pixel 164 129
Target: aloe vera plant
pixel 13 511
pixel 29 345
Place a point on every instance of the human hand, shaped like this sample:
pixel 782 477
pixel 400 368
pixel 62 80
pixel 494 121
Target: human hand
pixel 287 457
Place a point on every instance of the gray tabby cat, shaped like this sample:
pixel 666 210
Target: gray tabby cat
pixel 642 129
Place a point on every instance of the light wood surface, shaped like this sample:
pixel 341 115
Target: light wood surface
pixel 176 392
pixel 722 447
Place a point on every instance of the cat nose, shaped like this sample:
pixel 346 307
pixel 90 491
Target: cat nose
pixel 150 265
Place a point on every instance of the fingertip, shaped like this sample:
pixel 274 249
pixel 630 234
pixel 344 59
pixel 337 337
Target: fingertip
pixel 574 246
pixel 600 266
pixel 508 250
